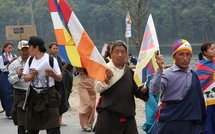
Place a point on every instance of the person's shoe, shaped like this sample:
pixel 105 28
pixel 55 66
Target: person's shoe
pixel 63 124
pixel 89 129
pixel 2 111
pixel 9 117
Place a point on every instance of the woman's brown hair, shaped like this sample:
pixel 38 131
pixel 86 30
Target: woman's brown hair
pixel 52 44
pixel 5 45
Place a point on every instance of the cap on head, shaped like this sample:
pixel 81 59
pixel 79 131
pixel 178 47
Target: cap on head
pixel 22 44
pixel 181 44
pixel 36 41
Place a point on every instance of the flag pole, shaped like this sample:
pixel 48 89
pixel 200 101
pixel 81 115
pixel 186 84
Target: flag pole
pixel 127 44
pixel 128 29
pixel 20 35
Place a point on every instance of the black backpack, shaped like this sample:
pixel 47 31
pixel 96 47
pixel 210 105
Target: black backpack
pixel 51 61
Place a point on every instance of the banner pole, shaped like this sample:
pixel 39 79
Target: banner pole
pixel 127 44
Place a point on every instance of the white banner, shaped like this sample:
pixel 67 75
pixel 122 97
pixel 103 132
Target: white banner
pixel 128 25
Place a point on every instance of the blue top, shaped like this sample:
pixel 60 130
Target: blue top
pixel 5 60
pixel 172 82
pixel 191 108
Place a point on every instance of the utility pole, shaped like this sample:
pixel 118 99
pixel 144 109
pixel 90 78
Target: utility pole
pixel 32 13
pixel 19 29
pixel 128 25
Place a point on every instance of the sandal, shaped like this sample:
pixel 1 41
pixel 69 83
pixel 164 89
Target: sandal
pixel 9 117
pixel 63 124
pixel 89 129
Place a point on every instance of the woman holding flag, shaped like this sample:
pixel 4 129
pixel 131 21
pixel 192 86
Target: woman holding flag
pixel 205 69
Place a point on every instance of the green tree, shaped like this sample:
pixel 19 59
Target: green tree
pixel 139 9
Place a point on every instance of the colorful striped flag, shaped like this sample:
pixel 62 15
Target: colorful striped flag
pixel 146 64
pixel 205 71
pixel 70 34
pixel 64 38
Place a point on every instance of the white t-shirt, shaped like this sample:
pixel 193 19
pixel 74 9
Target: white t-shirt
pixel 40 82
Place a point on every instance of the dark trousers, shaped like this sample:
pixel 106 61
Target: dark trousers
pixel 110 123
pixel 210 120
pixel 6 94
pixel 176 127
pixel 21 130
pixel 48 131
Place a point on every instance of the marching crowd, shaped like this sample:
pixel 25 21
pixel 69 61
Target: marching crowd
pixel 36 85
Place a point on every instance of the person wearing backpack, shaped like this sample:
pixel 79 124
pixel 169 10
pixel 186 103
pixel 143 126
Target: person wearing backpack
pixel 6 92
pixel 64 105
pixel 67 75
pixel 42 110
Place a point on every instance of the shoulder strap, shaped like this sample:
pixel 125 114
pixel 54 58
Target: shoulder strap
pixel 13 55
pixel 59 62
pixel 51 61
pixel 30 60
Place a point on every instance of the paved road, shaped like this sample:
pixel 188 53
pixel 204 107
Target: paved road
pixel 72 121
pixel 7 126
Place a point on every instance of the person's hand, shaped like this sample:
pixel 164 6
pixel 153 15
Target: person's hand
pixel 109 75
pixel 159 61
pixel 49 73
pixel 13 59
pixel 143 89
pixel 20 72
pixel 33 73
pixel 11 62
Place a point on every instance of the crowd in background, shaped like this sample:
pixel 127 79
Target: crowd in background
pixel 37 86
